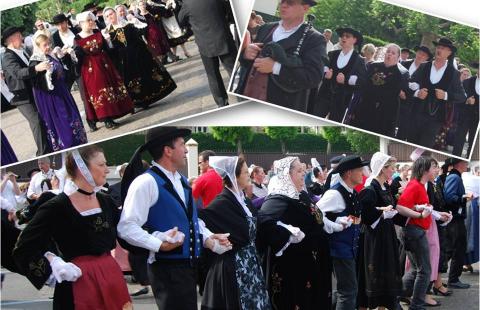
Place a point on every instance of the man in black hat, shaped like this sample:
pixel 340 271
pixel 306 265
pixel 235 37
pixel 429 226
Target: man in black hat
pixel 436 85
pixel 333 178
pixel 422 54
pixel 405 54
pixel 159 215
pixel 17 77
pixel 284 65
pixel 214 40
pixel 456 199
pixel 64 38
pixel 340 204
pixel 468 115
pixel 344 74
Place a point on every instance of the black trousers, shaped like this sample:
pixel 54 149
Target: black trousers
pixel 174 286
pixel 30 112
pixel 215 81
pixel 467 123
pixel 457 246
pixel 138 262
pixel 424 129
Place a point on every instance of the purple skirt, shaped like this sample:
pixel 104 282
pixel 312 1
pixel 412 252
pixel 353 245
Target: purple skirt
pixel 8 156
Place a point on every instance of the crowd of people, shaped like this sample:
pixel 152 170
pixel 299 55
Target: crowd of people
pixel 249 239
pixel 115 56
pixel 430 100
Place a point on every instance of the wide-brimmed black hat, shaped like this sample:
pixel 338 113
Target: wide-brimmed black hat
pixel 405 49
pixel 10 31
pixel 354 32
pixel 445 42
pixel 424 49
pixel 59 18
pixel 453 161
pixel 89 6
pixel 159 135
pixel 350 162
pixel 336 159
pixel 310 2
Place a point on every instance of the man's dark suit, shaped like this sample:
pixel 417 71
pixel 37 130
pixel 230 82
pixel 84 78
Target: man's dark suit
pixel 428 118
pixel 208 19
pixel 17 78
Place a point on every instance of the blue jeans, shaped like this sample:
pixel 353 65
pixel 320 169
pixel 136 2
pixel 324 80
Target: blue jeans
pixel 346 275
pixel 416 281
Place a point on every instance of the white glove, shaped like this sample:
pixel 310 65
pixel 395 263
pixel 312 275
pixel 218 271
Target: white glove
pixel 218 248
pixel 297 234
pixel 389 214
pixel 413 86
pixel 297 238
pixel 448 221
pixel 164 236
pixel 344 220
pixel 63 271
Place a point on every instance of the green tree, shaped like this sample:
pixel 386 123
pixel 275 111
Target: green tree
pixel 235 135
pixel 282 134
pixel 332 135
pixel 20 16
pixel 361 142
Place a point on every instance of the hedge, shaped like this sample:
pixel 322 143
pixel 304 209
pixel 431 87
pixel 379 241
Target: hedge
pixel 120 150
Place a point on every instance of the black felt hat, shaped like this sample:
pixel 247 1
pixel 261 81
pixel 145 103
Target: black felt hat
pixel 354 32
pixel 89 6
pixel 336 159
pixel 424 49
pixel 350 162
pixel 9 31
pixel 59 18
pixel 310 2
pixel 445 42
pixel 406 49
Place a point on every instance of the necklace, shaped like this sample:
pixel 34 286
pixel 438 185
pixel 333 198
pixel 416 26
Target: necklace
pixel 81 191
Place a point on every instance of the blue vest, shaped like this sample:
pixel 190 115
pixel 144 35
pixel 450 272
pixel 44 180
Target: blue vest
pixel 344 244
pixel 170 211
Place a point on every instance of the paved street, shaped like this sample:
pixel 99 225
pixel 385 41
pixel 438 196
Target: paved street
pixel 18 293
pixel 192 96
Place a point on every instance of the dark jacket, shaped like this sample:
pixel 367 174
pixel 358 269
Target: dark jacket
pixel 208 19
pixel 293 85
pixel 71 72
pixel 18 77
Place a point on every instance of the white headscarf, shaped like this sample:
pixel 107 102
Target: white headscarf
pixel 282 184
pixel 377 162
pixel 225 166
pixel 82 17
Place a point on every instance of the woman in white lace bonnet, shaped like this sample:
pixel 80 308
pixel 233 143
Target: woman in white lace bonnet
pixel 55 103
pixel 292 239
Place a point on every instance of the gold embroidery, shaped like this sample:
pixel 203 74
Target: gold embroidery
pixel 109 94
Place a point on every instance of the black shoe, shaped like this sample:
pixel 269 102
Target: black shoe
pixel 142 291
pixel 93 126
pixel 111 125
pixel 405 300
pixel 437 291
pixel 459 285
pixel 438 304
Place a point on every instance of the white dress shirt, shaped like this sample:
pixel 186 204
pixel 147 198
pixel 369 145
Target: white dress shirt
pixel 9 194
pixel 342 61
pixel 332 201
pixel 20 53
pixel 36 181
pixel 413 68
pixel 141 196
pixel 477 86
pixel 67 38
pixel 281 33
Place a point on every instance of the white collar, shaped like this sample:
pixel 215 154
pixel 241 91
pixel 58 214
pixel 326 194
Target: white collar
pixel 346 186
pixel 441 68
pixel 347 54
pixel 171 175
pixel 280 25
